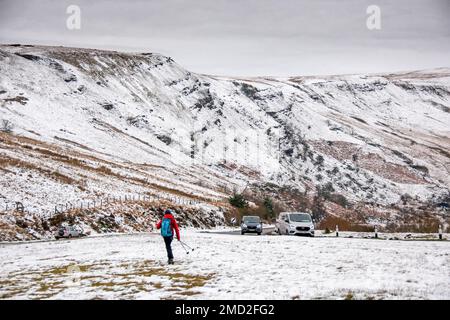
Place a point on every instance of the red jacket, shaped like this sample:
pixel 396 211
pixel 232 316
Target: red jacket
pixel 173 224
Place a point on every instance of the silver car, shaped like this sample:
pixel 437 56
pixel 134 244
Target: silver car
pixel 295 223
pixel 69 232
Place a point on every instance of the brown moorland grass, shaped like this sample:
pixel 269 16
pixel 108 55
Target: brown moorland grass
pixel 42 148
pixel 330 223
pixel 6 161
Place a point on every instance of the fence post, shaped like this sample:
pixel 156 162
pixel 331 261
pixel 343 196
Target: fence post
pixel 440 232
pixel 337 231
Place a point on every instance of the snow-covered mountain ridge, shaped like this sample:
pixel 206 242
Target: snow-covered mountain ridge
pixel 115 123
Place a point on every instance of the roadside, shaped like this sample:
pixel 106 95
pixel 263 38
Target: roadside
pixel 268 230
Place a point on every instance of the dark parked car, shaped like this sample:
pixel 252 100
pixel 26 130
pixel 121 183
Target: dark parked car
pixel 251 224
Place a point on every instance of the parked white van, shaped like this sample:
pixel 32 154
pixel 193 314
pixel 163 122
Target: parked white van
pixel 295 223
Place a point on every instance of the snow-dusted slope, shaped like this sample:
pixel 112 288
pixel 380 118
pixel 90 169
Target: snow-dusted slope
pixel 137 123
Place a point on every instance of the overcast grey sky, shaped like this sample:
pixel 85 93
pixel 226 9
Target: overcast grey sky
pixel 247 37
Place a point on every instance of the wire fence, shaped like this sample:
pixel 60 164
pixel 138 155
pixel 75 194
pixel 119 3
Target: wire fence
pixel 13 206
pixel 86 204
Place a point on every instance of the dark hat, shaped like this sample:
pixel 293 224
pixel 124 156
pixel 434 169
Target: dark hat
pixel 168 211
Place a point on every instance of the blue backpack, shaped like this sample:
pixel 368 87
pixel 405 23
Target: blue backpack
pixel 166 228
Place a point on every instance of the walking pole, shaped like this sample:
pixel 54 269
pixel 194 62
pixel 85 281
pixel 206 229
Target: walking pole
pixel 187 251
pixel 187 245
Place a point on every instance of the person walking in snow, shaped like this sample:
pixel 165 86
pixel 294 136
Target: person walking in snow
pixel 167 225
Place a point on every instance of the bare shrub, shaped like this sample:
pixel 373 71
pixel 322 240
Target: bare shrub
pixel 344 224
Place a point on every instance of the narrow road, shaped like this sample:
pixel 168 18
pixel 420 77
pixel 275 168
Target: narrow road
pixel 267 230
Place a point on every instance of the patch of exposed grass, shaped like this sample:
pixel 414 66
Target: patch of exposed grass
pixel 189 293
pixel 119 285
pixel 65 269
pixel 349 296
pixel 190 281
pixel 11 294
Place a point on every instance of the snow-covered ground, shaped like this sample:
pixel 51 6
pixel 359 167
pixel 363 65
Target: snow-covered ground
pixel 225 266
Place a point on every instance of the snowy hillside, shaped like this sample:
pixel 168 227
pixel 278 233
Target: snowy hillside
pixel 91 124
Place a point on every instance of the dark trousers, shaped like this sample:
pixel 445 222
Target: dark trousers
pixel 168 242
